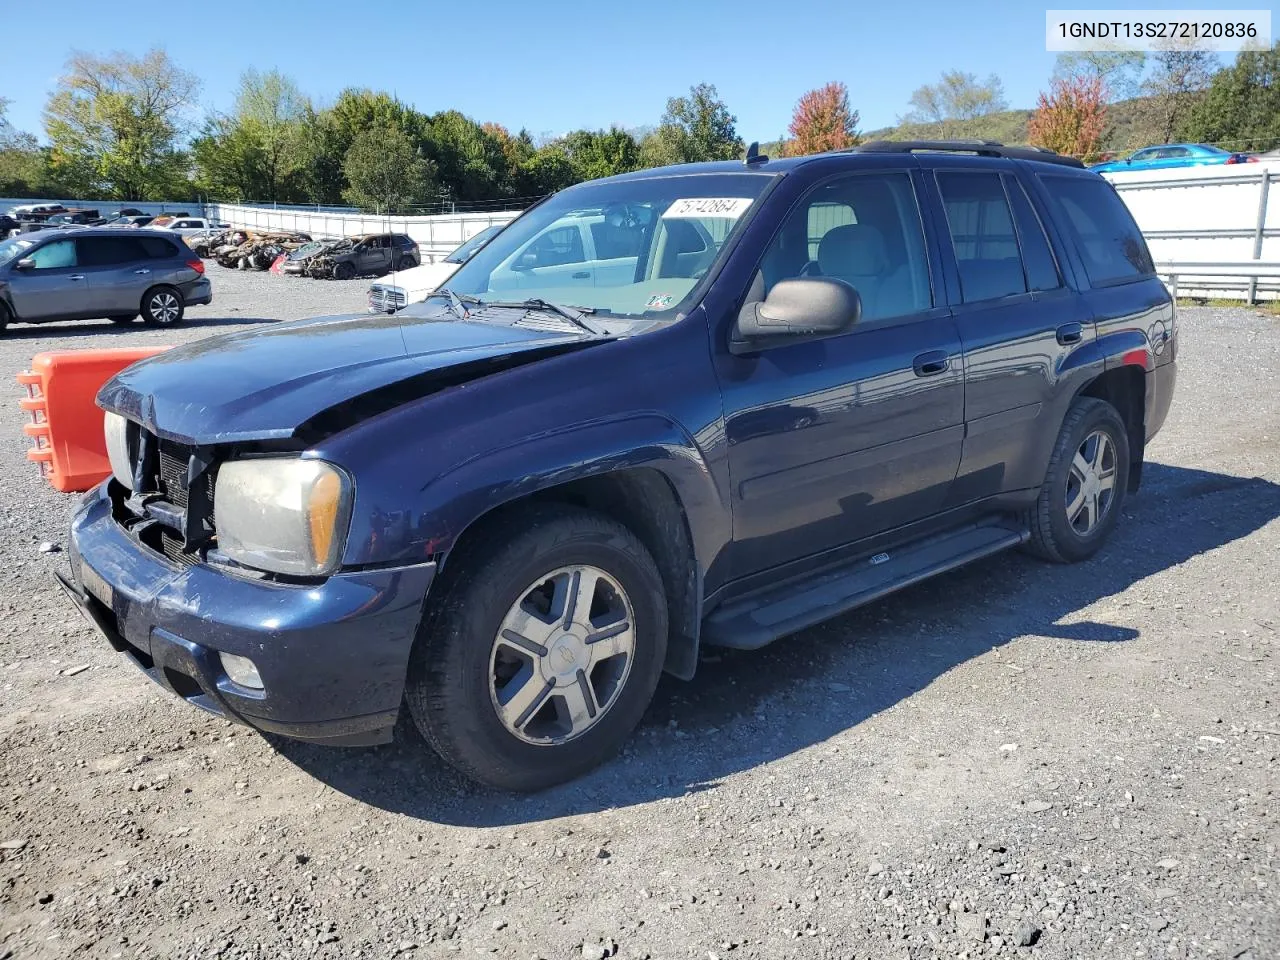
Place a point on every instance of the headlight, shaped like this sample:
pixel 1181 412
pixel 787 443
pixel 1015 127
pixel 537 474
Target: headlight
pixel 284 515
pixel 121 447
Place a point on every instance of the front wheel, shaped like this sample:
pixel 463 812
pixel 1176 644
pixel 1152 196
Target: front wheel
pixel 543 651
pixel 162 307
pixel 343 271
pixel 1084 487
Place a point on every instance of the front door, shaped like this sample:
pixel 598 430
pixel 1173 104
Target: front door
pixel 55 287
pixel 838 439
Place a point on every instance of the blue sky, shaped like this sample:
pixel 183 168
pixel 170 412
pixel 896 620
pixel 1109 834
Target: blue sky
pixel 552 66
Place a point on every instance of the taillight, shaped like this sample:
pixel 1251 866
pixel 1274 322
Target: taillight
pixel 1235 159
pixel 197 265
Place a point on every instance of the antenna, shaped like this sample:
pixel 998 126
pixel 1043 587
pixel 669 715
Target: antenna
pixel 754 155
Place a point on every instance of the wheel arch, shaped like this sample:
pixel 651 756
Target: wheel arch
pixel 1125 388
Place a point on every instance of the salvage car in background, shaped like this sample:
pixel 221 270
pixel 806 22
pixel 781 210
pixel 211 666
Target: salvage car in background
pixel 102 272
pixel 351 257
pixel 1173 155
pixel 192 226
pixel 413 284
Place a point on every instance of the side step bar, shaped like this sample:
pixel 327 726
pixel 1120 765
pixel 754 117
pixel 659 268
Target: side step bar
pixel 763 617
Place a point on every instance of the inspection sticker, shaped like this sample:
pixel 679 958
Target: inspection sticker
pixel 730 208
pixel 659 301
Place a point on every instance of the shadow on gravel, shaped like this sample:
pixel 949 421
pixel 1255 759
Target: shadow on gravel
pixel 746 709
pixel 105 328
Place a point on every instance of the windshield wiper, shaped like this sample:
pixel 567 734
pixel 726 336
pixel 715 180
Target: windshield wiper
pixel 457 301
pixel 573 314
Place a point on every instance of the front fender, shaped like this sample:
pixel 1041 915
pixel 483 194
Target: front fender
pixel 430 516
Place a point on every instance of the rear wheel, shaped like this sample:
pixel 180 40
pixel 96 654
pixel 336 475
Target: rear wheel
pixel 1084 487
pixel 543 651
pixel 343 271
pixel 408 263
pixel 162 307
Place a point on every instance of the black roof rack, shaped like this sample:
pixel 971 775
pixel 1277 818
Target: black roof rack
pixel 983 148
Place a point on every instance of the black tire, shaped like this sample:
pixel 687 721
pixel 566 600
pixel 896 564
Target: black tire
pixel 123 320
pixel 1054 534
pixel 407 263
pixel 6 317
pixel 343 271
pixel 450 687
pixel 163 307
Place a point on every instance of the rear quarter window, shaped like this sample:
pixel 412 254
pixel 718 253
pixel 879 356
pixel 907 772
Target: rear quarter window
pixel 158 248
pixel 1112 247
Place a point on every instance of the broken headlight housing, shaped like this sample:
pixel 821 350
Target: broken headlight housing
pixel 283 514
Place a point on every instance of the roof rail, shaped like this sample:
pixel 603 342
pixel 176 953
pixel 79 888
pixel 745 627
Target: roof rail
pixel 983 148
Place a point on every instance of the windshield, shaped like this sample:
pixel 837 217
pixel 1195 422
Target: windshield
pixel 469 248
pixel 12 248
pixel 630 248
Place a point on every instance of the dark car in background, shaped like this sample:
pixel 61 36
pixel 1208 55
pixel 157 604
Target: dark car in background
pixel 99 272
pixel 710 404
pixel 349 257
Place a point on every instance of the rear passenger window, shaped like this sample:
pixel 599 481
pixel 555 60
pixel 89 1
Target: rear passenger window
pixel 982 235
pixel 105 251
pixel 1109 241
pixel 863 229
pixel 1037 257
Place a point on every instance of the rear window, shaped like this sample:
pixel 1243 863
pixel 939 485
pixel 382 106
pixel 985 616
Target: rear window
pixel 1108 239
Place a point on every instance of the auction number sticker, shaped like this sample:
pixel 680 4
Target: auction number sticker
pixel 699 208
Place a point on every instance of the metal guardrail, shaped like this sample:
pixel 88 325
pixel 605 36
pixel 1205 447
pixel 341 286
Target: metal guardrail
pixel 1253 270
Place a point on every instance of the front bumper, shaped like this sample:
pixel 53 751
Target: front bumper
pixel 332 655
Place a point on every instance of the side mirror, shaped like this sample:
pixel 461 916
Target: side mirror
pixel 526 261
pixel 807 308
pixel 26 263
pixel 1128 159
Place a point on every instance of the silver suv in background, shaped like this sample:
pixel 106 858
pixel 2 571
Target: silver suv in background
pixel 110 272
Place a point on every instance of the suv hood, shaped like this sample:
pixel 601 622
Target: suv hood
pixel 266 384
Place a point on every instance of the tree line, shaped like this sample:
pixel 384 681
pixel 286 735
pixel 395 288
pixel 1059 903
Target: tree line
pixel 121 127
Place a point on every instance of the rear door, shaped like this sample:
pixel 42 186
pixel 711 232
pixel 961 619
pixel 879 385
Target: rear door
pixel 118 272
pixel 1018 322
pixel 56 286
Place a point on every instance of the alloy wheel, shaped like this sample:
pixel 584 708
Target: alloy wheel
pixel 164 307
pixel 1091 482
pixel 562 655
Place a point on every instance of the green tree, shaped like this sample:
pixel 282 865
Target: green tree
pixel 318 175
pixel 269 110
pixel 1242 106
pixel 694 128
pixel 546 170
pixel 229 161
pixel 117 122
pixel 601 153
pixel 957 97
pixel 1119 70
pixel 470 161
pixel 385 171
pixel 22 162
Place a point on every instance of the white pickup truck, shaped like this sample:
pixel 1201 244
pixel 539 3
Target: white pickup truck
pixel 410 286
pixel 190 226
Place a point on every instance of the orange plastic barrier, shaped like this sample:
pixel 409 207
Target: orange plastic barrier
pixel 67 442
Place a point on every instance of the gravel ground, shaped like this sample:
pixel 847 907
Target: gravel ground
pixel 1014 760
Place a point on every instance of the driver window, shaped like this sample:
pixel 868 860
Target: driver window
pixel 60 253
pixel 557 247
pixel 864 230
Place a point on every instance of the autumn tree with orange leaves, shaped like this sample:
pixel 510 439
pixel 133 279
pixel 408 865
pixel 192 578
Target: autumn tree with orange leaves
pixel 823 121
pixel 1071 118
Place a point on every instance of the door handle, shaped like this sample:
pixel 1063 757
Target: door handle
pixel 932 363
pixel 581 275
pixel 142 272
pixel 76 276
pixel 1070 333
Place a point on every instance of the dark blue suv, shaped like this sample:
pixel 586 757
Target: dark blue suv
pixel 709 404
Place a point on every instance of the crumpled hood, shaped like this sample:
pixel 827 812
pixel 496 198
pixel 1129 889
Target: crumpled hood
pixel 264 384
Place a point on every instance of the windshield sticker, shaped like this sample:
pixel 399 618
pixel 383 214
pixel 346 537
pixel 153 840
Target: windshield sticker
pixel 730 208
pixel 659 301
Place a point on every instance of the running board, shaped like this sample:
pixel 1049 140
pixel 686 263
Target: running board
pixel 763 617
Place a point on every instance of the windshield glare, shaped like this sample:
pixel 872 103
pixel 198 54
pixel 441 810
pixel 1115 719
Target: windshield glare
pixel 469 248
pixel 12 248
pixel 632 248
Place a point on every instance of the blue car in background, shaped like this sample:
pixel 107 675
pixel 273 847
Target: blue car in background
pixel 1173 155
